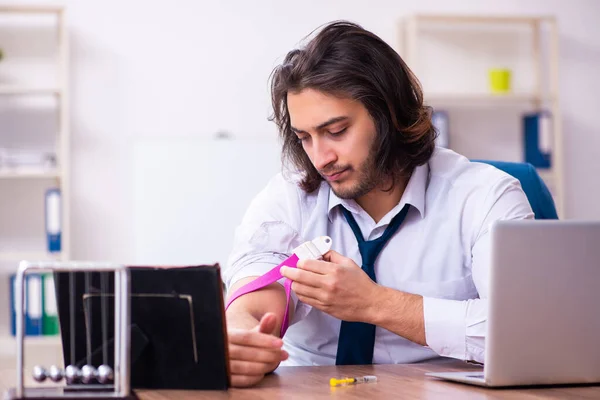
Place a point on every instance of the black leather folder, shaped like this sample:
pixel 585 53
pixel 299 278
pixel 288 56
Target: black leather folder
pixel 178 334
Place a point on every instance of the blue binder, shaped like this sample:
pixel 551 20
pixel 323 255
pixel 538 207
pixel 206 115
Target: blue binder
pixel 33 305
pixel 440 121
pixel 13 295
pixel 532 134
pixel 53 219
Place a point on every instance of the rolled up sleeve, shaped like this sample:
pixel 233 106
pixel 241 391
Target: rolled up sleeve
pixel 456 328
pixel 267 233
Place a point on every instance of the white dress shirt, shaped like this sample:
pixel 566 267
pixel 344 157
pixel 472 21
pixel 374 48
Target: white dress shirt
pixel 441 251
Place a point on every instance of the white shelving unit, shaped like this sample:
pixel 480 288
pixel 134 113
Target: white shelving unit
pixel 29 173
pixel 540 90
pixel 29 255
pixel 48 347
pixel 484 99
pixel 59 175
pixel 24 90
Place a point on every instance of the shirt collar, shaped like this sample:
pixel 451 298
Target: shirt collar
pixel 414 194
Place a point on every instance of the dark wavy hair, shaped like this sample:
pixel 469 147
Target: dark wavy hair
pixel 347 61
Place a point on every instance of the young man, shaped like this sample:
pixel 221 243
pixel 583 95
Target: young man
pixel 365 169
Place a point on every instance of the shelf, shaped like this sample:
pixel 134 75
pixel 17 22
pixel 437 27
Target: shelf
pixel 28 173
pixel 29 256
pixel 9 90
pixel 483 99
pixel 481 19
pixel 30 9
pixel 534 39
pixel 41 344
pixel 31 91
pixel 11 341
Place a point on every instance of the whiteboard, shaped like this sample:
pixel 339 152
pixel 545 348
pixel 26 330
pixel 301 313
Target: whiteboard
pixel 191 193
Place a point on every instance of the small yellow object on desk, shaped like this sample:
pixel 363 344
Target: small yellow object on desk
pixel 352 381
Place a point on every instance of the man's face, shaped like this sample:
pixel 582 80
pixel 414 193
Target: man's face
pixel 337 135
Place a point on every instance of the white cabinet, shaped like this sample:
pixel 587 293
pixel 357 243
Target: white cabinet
pixel 34 146
pixel 452 54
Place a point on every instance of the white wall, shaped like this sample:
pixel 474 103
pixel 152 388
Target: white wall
pixel 191 68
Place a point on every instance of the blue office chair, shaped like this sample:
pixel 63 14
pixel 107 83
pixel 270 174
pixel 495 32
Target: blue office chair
pixel 534 187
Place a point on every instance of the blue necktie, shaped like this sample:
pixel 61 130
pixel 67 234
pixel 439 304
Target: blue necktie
pixel 357 339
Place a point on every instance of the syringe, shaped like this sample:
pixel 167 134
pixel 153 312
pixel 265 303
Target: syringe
pixel 353 381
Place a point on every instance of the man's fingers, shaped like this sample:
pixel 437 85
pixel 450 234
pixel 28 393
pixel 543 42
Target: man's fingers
pixel 252 338
pixel 317 266
pixel 238 367
pixel 334 257
pixel 306 291
pixel 267 323
pixel 312 302
pixel 245 380
pixel 237 352
pixel 305 277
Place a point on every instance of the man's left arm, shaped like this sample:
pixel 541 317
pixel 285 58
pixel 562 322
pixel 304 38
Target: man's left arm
pixel 457 328
pixel 452 328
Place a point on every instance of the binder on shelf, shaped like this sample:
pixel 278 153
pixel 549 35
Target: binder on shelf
pixel 13 302
pixel 439 120
pixel 50 311
pixel 537 137
pixel 53 219
pixel 33 318
pixel 32 304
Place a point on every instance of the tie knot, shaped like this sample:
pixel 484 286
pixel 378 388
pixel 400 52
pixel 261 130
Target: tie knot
pixel 369 250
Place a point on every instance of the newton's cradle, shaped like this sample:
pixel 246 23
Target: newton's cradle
pixel 88 381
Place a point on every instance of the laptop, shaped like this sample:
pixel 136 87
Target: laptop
pixel 543 323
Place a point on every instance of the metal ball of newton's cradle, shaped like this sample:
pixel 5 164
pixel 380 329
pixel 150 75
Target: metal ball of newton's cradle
pixel 88 373
pixel 55 374
pixel 105 374
pixel 39 373
pixel 72 374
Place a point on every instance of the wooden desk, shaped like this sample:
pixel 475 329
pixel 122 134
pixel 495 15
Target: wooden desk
pixel 406 381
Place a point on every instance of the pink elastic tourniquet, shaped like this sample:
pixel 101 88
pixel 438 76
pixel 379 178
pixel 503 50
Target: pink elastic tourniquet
pixel 270 277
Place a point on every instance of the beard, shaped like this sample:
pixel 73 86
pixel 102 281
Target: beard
pixel 365 179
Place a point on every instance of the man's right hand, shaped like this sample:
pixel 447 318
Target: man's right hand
pixel 254 353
